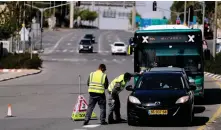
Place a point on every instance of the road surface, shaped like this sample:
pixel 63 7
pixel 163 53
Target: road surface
pixel 45 101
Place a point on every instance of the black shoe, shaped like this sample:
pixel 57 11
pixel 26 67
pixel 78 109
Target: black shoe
pixel 85 122
pixel 104 123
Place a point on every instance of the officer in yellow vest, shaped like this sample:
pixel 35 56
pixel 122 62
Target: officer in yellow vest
pixel 97 83
pixel 115 87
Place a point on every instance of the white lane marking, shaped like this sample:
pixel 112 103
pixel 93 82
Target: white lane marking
pixel 79 129
pixel 65 50
pixel 123 59
pixel 57 50
pixel 91 126
pixel 68 44
pixel 57 43
pixel 94 60
pixel 104 60
pixel 117 38
pixel 72 51
pixel 100 40
pixel 117 61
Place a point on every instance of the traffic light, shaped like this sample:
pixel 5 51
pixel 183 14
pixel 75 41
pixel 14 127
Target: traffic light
pixel 191 13
pixel 154 6
pixel 78 3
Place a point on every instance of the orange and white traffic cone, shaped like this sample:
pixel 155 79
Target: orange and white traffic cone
pixel 9 114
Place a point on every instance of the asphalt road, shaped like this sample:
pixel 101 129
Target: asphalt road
pixel 45 101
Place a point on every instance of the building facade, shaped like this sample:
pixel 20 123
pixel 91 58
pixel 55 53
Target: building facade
pixel 112 14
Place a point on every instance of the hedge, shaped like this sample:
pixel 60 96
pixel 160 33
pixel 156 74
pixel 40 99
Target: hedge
pixel 214 64
pixel 21 61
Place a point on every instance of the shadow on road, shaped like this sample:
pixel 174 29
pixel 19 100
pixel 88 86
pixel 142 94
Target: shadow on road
pixel 212 97
pixel 199 109
pixel 197 121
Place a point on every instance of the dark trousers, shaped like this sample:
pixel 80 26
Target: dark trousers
pixel 93 100
pixel 114 107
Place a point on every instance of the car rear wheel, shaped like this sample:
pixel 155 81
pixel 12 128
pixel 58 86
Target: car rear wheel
pixel 113 54
pixel 79 51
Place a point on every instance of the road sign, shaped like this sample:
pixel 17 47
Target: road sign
pixel 194 19
pixel 24 34
pixel 80 109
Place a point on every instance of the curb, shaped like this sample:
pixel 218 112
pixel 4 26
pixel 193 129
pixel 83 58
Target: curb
pixel 215 76
pixel 10 70
pixel 21 76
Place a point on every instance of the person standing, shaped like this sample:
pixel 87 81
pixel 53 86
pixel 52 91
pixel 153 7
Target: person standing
pixel 115 87
pixel 97 83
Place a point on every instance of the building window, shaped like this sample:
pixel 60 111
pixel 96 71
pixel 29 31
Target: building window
pixel 109 13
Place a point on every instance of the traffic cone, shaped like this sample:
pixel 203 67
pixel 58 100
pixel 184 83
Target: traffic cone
pixel 9 114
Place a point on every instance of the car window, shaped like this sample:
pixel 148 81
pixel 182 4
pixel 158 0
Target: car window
pixel 118 44
pixel 161 81
pixel 85 42
pixel 88 36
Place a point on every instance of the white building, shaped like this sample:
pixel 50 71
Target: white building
pixel 112 14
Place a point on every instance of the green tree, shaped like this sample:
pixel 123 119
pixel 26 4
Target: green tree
pixel 178 6
pixel 130 16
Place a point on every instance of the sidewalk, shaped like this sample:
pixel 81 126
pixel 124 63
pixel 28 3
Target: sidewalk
pixel 12 74
pixel 216 125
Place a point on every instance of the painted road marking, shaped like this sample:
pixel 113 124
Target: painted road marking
pixel 65 50
pixel 100 40
pixel 91 126
pixel 215 115
pixel 68 44
pixel 57 43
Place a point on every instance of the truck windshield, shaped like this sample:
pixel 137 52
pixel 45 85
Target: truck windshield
pixel 184 57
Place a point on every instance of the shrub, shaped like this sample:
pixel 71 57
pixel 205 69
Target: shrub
pixel 214 65
pixel 21 61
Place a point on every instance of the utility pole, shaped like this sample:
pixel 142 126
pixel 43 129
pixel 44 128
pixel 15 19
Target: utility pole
pixel 134 16
pixel 54 8
pixel 189 18
pixel 23 26
pixel 215 30
pixel 71 14
pixel 184 21
pixel 203 18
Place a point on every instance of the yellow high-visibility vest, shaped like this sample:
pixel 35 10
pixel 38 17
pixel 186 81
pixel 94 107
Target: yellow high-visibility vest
pixel 117 79
pixel 97 80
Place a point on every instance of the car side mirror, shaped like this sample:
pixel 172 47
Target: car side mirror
pixel 191 81
pixel 129 88
pixel 207 54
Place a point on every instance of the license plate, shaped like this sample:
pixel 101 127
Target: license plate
pixel 85 48
pixel 119 49
pixel 157 112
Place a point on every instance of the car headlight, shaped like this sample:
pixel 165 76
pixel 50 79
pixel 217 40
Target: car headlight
pixel 90 47
pixel 134 100
pixel 81 46
pixel 182 99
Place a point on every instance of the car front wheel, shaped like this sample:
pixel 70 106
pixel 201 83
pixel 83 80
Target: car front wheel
pixel 189 118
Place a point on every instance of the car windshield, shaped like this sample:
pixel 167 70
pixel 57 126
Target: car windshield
pixel 88 36
pixel 160 81
pixel 85 42
pixel 118 44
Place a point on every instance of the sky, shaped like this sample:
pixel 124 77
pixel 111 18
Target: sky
pixel 149 4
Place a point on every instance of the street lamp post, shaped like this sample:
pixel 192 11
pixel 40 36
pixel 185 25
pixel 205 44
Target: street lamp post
pixel 215 30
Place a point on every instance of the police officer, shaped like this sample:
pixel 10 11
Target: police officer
pixel 115 87
pixel 97 83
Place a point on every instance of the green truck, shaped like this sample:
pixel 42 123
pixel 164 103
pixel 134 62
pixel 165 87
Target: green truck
pixel 171 46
